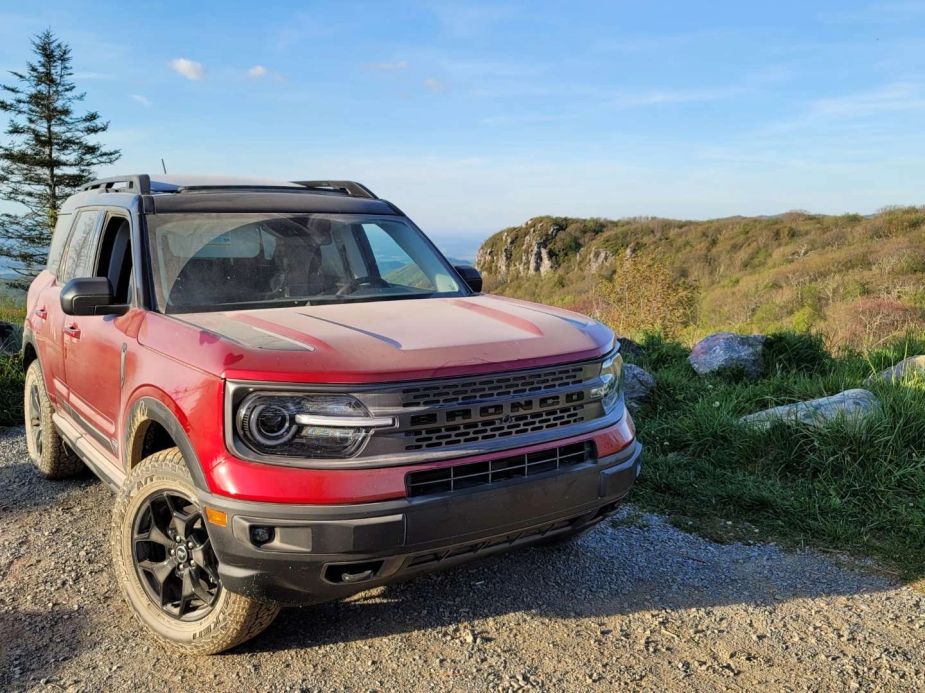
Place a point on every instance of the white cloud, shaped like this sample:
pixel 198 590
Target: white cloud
pixel 389 67
pixel 434 86
pixel 188 68
pixel 143 100
pixel 859 107
pixel 257 71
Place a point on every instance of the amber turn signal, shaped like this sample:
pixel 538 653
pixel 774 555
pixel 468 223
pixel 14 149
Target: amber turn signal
pixel 216 517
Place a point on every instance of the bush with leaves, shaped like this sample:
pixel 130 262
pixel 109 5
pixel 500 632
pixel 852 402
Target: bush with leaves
pixel 645 295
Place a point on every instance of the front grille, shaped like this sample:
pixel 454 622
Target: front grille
pixel 509 385
pixel 489 429
pixel 465 476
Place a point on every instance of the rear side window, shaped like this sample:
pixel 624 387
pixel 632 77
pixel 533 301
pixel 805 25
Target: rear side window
pixel 58 242
pixel 81 249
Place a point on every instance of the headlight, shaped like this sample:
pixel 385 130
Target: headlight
pixel 295 425
pixel 610 391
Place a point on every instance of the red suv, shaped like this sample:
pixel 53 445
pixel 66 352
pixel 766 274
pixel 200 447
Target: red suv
pixel 296 397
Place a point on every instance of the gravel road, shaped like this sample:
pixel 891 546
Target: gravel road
pixel 634 605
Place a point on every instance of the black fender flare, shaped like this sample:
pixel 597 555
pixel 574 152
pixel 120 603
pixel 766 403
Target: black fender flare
pixel 28 342
pixel 145 410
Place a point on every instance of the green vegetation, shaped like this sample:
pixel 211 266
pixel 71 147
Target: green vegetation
pixel 48 152
pixel 857 487
pixel 859 281
pixel 12 310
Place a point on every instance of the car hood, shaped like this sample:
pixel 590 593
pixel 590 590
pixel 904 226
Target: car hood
pixel 382 340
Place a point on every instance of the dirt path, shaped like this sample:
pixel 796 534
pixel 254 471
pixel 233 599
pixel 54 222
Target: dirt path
pixel 635 605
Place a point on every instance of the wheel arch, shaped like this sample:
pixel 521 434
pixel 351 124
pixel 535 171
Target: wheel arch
pixel 29 352
pixel 152 427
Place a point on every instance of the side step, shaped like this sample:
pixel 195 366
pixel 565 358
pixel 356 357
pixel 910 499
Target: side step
pixel 90 456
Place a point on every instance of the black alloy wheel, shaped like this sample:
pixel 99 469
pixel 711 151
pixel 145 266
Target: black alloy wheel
pixel 173 556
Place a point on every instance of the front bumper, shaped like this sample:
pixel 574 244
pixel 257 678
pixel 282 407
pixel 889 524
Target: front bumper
pixel 319 553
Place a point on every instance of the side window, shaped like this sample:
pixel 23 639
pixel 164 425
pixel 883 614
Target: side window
pixel 58 242
pixel 115 258
pixel 78 259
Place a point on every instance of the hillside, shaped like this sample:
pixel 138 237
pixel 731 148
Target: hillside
pixel 855 279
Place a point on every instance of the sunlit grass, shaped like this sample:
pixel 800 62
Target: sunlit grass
pixel 855 486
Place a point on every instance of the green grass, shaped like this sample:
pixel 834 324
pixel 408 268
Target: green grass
pixel 13 311
pixel 853 486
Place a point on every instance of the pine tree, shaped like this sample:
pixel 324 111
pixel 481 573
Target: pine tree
pixel 49 152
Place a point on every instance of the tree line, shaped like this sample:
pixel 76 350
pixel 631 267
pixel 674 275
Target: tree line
pixel 51 149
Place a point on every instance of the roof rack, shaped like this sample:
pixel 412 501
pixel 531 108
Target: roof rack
pixel 140 183
pixel 347 187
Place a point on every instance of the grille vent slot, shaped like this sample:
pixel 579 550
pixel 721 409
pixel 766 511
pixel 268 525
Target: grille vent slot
pixel 466 476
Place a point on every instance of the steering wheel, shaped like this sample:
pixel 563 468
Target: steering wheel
pixel 354 284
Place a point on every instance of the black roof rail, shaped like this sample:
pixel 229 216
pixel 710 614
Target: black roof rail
pixel 140 183
pixel 347 187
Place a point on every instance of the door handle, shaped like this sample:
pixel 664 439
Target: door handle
pixel 41 312
pixel 72 329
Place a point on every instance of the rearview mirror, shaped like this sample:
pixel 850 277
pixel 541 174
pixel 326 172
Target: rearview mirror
pixel 90 296
pixel 471 276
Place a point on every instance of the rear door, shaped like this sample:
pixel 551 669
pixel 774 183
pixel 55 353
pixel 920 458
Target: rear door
pixel 47 319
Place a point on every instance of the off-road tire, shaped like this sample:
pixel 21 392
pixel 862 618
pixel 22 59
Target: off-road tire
pixel 48 452
pixel 233 618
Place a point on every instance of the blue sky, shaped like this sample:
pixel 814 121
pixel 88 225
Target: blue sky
pixel 472 116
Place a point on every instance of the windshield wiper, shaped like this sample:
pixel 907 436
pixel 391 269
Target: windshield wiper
pixel 366 299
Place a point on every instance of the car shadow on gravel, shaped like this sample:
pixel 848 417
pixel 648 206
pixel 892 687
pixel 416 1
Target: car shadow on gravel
pixel 35 643
pixel 22 488
pixel 612 571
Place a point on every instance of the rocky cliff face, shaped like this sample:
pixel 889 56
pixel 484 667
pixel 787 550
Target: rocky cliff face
pixel 522 250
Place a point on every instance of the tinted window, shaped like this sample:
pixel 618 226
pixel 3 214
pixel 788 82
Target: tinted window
pixel 58 242
pixel 81 249
pixel 232 261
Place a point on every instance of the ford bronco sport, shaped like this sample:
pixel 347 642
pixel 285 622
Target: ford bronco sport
pixel 296 397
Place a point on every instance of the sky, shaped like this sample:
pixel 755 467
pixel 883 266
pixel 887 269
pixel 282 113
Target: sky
pixel 474 116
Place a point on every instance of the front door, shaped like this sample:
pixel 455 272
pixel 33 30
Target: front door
pixel 95 345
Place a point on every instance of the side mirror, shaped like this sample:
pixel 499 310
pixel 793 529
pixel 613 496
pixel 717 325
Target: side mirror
pixel 471 276
pixel 90 296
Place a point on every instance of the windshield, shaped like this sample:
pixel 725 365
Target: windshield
pixel 203 262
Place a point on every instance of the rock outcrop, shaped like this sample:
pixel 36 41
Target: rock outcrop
pixel 630 350
pixel 850 404
pixel 638 384
pixel 723 351
pixel 521 254
pixel 914 366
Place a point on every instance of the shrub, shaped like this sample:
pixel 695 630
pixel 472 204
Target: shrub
pixel 645 295
pixel 870 322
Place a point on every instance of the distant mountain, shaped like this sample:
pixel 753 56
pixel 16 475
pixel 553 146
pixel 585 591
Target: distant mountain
pixel 851 277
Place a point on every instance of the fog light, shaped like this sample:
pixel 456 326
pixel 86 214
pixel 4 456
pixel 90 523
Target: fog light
pixel 262 535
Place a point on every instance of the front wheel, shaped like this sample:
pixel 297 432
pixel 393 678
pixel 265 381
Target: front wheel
pixel 164 563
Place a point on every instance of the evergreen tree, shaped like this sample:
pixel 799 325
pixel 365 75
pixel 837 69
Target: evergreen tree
pixel 48 154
